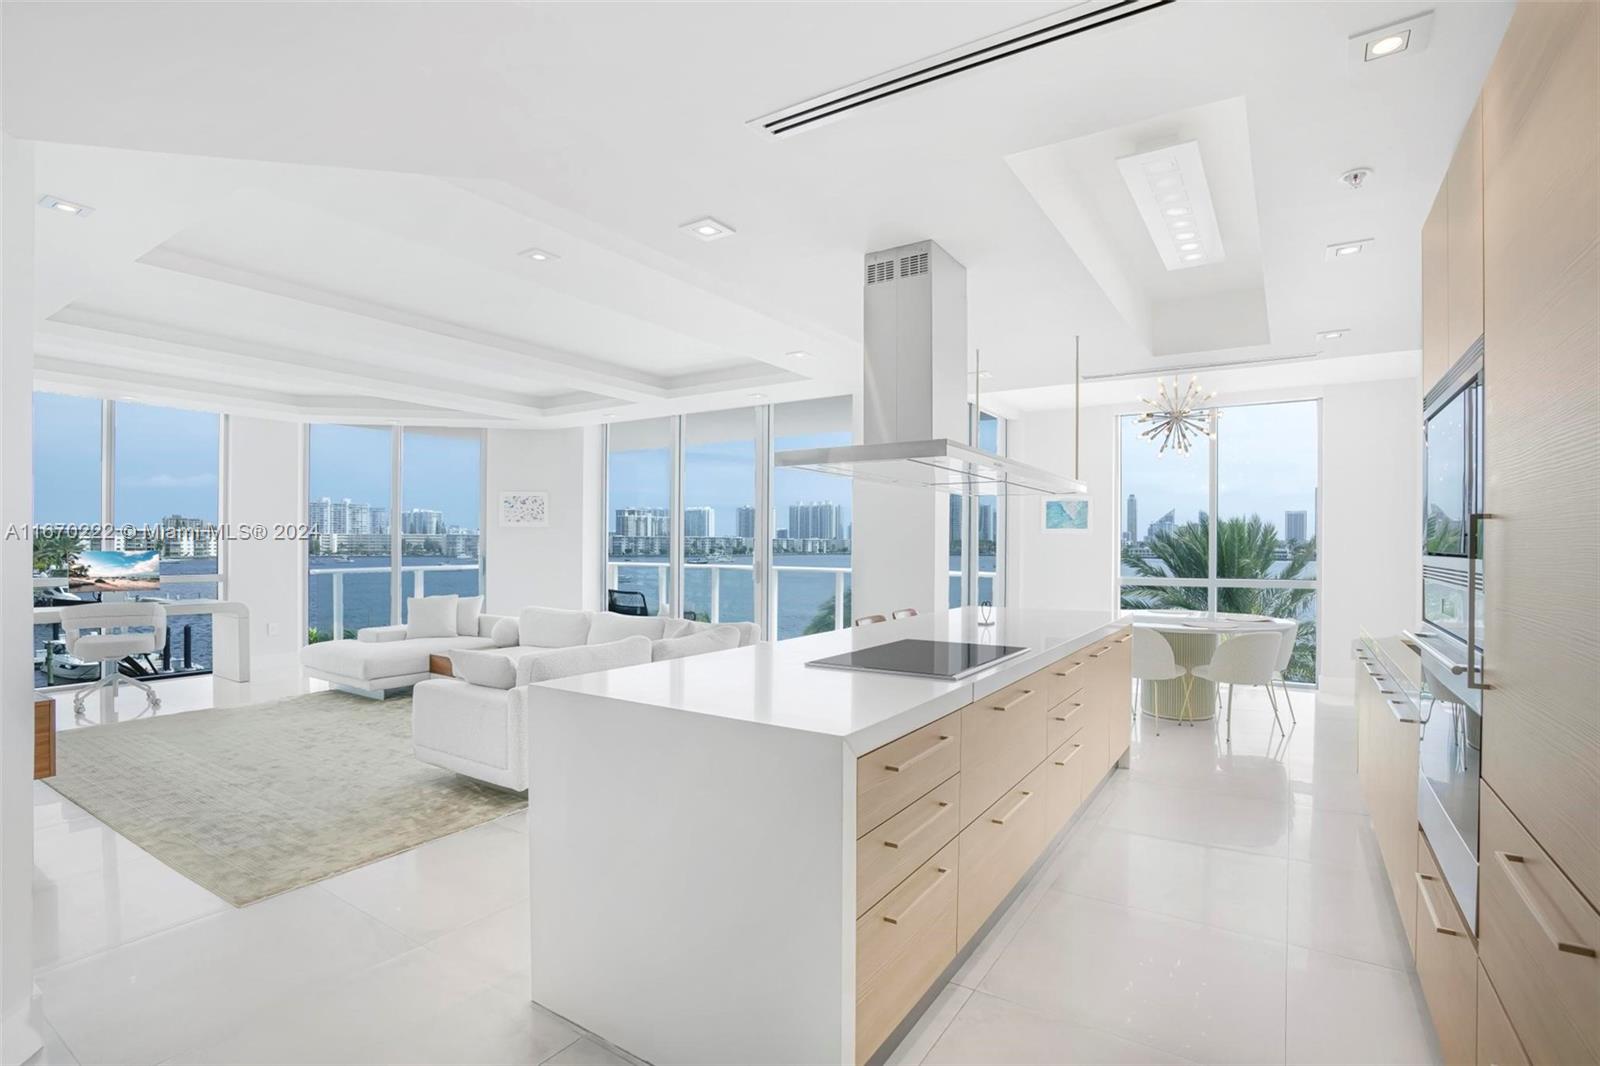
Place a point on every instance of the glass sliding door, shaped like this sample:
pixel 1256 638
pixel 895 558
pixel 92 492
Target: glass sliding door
pixel 719 501
pixel 349 474
pixel 165 496
pixel 811 523
pixel 640 469
pixel 441 513
pixel 66 507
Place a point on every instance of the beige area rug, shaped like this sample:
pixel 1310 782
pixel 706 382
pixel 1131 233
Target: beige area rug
pixel 252 801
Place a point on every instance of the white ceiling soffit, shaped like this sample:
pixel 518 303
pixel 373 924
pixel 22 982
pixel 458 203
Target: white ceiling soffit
pixel 1083 188
pixel 1073 21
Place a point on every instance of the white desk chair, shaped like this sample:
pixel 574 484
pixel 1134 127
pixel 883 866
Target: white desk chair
pixel 1153 661
pixel 870 619
pixel 905 612
pixel 1244 659
pixel 1291 632
pixel 128 627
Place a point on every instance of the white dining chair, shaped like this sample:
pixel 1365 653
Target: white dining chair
pixel 1153 661
pixel 905 612
pixel 1244 659
pixel 1291 633
pixel 122 628
pixel 870 619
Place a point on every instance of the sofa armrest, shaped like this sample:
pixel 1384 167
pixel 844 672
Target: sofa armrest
pixel 486 623
pixel 381 634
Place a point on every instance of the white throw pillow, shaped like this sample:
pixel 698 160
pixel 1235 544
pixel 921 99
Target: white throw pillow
pixel 606 627
pixel 588 659
pixel 468 608
pixel 487 668
pixel 550 627
pixel 716 638
pixel 504 633
pixel 678 627
pixel 431 616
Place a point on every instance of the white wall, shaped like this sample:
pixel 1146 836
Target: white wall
pixel 1369 507
pixel 559 565
pixel 266 487
pixel 900 555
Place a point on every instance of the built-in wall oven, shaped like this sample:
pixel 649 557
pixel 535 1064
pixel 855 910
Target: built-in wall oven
pixel 1450 642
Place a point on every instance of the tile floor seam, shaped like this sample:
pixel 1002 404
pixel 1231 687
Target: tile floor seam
pixel 934 1043
pixel 1269 940
pixel 61 964
pixel 1075 1023
pixel 330 893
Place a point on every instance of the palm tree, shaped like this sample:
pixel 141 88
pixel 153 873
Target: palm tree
pixel 822 621
pixel 1248 549
pixel 55 551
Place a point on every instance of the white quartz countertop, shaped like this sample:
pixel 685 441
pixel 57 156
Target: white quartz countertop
pixel 770 683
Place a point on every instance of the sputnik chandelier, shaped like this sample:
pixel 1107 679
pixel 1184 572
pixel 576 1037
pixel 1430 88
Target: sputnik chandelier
pixel 1175 418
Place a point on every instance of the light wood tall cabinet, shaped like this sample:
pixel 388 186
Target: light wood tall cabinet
pixel 1436 357
pixel 1463 185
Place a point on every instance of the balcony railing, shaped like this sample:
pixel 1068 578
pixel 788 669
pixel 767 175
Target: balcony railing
pixel 418 584
pixel 839 574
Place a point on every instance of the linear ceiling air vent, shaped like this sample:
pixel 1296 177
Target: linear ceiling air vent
pixel 1079 18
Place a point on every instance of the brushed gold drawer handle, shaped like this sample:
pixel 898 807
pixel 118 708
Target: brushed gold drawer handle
pixel 1075 749
pixel 1012 702
pixel 1427 901
pixel 1512 865
pixel 1076 707
pixel 1015 807
pixel 906 764
pixel 1124 640
pixel 1069 671
pixel 896 919
pixel 919 827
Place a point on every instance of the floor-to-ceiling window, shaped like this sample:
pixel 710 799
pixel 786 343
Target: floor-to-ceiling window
pixel 977 528
pixel 719 501
pixel 393 513
pixel 710 565
pixel 1259 476
pixel 440 513
pixel 129 477
pixel 812 523
pixel 640 470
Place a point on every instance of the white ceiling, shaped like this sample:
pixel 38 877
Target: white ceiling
pixel 315 210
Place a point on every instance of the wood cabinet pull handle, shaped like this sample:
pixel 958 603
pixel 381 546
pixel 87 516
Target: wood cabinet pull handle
pixel 1124 640
pixel 1012 702
pixel 1399 716
pixel 1075 749
pixel 919 827
pixel 1427 901
pixel 896 919
pixel 1015 807
pixel 1068 671
pixel 904 764
pixel 1063 717
pixel 1512 865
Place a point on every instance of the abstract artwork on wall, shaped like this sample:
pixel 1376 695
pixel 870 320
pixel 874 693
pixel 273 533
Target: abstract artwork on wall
pixel 1066 514
pixel 524 509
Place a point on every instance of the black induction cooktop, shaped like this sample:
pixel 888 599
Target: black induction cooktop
pixel 921 658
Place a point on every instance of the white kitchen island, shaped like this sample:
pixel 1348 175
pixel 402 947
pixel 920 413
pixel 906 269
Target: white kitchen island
pixel 740 858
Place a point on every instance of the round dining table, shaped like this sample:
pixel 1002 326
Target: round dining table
pixel 1193 636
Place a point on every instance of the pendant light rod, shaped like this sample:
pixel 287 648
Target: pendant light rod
pixel 1077 404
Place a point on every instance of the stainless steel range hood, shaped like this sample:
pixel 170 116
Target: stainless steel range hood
pixel 916 423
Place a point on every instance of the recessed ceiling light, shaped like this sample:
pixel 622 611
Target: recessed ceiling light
pixel 798 355
pixel 708 229
pixel 1185 234
pixel 1385 46
pixel 1331 334
pixel 1406 37
pixel 758 396
pixel 986 375
pixel 66 207
pixel 538 255
pixel 1346 249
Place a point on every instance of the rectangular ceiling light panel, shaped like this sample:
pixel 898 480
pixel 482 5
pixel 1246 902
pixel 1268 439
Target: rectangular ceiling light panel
pixel 1169 188
pixel 1078 18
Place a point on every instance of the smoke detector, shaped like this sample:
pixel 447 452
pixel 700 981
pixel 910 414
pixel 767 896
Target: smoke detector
pixel 1357 179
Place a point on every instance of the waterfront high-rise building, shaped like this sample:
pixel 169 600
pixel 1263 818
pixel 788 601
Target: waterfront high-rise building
pixel 1165 524
pixel 988 521
pixel 747 522
pixel 422 522
pixel 1294 527
pixel 699 522
pixel 815 521
pixel 380 521
pixel 1130 521
pixel 640 522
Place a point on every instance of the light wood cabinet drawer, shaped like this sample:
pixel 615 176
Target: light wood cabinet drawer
pixel 997 849
pixel 1497 1041
pixel 887 854
pixel 890 777
pixel 1447 962
pixel 1002 738
pixel 1114 691
pixel 1064 783
pixel 1066 677
pixel 1065 719
pixel 902 945
pixel 1537 938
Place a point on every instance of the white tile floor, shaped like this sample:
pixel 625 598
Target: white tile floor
pixel 1210 905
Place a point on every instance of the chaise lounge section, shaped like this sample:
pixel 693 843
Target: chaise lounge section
pixel 385 659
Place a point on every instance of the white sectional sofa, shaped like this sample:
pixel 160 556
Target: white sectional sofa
pixel 383 659
pixel 475 723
